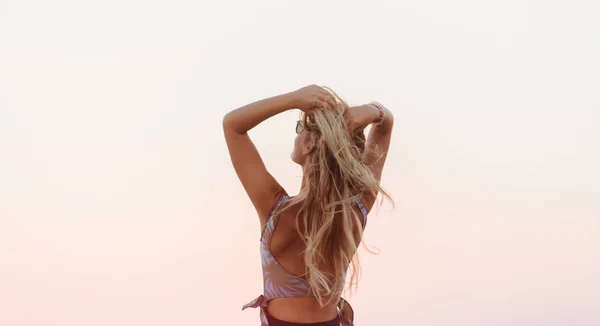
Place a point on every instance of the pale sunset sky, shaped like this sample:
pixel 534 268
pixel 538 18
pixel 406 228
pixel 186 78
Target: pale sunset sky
pixel 119 206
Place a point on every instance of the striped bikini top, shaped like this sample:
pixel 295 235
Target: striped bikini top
pixel 280 283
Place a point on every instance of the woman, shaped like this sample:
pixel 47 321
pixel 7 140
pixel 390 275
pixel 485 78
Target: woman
pixel 309 240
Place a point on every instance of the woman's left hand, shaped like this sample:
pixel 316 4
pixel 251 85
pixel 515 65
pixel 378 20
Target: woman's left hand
pixel 359 117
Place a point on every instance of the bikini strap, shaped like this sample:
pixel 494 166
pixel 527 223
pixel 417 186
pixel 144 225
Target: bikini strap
pixel 270 224
pixel 363 210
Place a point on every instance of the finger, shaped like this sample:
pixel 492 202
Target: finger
pixel 333 98
pixel 351 128
pixel 318 103
pixel 329 100
pixel 330 97
pixel 332 102
pixel 323 91
pixel 348 126
pixel 325 102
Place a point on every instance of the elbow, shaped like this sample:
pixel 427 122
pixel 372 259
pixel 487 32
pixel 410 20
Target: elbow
pixel 389 115
pixel 231 123
pixel 227 121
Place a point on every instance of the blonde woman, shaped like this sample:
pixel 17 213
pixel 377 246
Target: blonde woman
pixel 309 241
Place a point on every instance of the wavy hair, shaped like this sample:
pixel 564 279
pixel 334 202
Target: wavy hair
pixel 335 177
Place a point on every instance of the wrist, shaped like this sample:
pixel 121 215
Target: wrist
pixel 381 113
pixel 291 99
pixel 374 112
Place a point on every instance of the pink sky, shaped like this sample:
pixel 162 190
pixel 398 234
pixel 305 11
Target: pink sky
pixel 118 204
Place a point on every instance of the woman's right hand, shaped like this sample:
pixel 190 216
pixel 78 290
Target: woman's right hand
pixel 313 97
pixel 359 117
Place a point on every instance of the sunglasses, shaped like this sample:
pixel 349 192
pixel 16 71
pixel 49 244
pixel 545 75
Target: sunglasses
pixel 299 127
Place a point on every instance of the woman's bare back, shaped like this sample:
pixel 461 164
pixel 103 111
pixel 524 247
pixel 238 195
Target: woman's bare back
pixel 287 247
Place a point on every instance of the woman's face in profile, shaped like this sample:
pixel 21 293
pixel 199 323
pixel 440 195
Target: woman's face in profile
pixel 300 144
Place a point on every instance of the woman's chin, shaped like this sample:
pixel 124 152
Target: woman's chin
pixel 293 157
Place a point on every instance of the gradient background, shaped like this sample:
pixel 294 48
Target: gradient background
pixel 118 204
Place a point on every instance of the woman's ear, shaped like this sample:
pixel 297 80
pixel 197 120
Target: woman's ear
pixel 308 147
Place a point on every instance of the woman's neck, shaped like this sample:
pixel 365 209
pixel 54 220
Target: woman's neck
pixel 303 184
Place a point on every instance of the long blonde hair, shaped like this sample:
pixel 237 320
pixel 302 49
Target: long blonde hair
pixel 335 177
